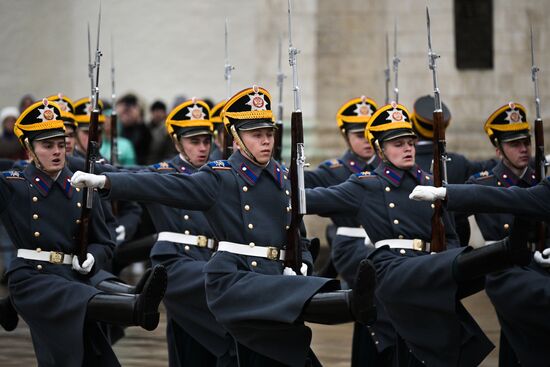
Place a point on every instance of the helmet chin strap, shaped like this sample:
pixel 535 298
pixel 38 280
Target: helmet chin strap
pixel 243 147
pixel 179 146
pixel 378 147
pixel 34 158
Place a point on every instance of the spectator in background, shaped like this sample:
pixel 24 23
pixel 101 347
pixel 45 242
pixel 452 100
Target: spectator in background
pixel 25 102
pixel 161 146
pixel 131 120
pixel 126 153
pixel 10 148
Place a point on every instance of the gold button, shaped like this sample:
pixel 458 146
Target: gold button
pixel 396 221
pixel 35 216
pixel 402 252
pixel 287 227
pixel 186 217
pixel 391 205
pixel 36 234
pixel 427 177
pixel 78 189
pixel 352 163
pixel 244 168
pixel 247 207
pixel 250 225
pixel 251 244
pixel 287 192
pixel 245 188
pixel 506 226
pixel 38 249
pixel 373 334
pixel 376 342
pixel 77 221
pixel 39 267
pixel 432 205
pixel 504 176
pixel 35 199
pixel 387 189
pixel 400 236
pixel 498 183
pixel 79 205
pixel 288 209
pixel 286 178
pixel 254 263
pixel 186 247
pixel 186 232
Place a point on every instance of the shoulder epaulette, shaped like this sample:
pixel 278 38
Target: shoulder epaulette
pixel 219 165
pixel 163 166
pixel 13 175
pixel 483 175
pixel 333 163
pixel 365 174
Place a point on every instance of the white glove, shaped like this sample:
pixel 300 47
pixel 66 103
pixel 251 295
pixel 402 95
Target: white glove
pixel 82 179
pixel 428 193
pixel 86 265
pixel 289 271
pixel 120 233
pixel 539 259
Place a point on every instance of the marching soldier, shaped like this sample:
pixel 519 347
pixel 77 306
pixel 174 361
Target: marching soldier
pixel 459 168
pixel 346 237
pixel 409 282
pixel 246 202
pixel 520 295
pixel 219 131
pixel 48 286
pixel 67 115
pixel 185 243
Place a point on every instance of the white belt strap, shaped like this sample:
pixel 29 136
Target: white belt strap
pixel 269 252
pixel 186 239
pixel 53 257
pixel 357 232
pixel 415 244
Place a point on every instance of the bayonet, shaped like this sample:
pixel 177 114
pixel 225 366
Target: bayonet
pixel 114 127
pixel 396 60
pixel 292 59
pixel 279 118
pixel 387 70
pixel 90 65
pixel 227 67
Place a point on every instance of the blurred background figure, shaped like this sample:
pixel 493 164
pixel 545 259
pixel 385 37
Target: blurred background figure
pixel 25 102
pixel 126 151
pixel 131 120
pixel 161 147
pixel 10 147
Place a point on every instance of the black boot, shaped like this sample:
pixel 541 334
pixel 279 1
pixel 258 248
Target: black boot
pixel 344 306
pixel 131 309
pixel 500 255
pixel 114 286
pixel 8 315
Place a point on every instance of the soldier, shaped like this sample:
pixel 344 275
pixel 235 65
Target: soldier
pixel 519 294
pixel 345 236
pixel 184 245
pixel 430 287
pixel 48 286
pixel 246 202
pixel 459 168
pixel 67 115
pixel 219 131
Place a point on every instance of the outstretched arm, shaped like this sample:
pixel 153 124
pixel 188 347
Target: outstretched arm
pixel 343 198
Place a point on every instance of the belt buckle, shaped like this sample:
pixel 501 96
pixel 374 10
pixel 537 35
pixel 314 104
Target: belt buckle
pixel 202 241
pixel 272 253
pixel 56 257
pixel 418 245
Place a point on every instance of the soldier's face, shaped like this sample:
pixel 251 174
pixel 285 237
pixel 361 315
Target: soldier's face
pixel 70 139
pixel 82 139
pixel 197 149
pixel 260 143
pixel 360 145
pixel 516 153
pixel 50 154
pixel 400 152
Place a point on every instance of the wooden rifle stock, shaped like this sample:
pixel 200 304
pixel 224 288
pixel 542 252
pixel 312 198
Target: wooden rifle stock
pixel 114 152
pixel 438 228
pixel 227 144
pixel 278 149
pixel 293 255
pixel 91 157
pixel 540 174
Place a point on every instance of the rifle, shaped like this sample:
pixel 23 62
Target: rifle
pixel 227 140
pixel 396 60
pixel 387 71
pixel 90 66
pixel 92 155
pixel 293 256
pixel 540 159
pixel 278 153
pixel 438 242
pixel 114 127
